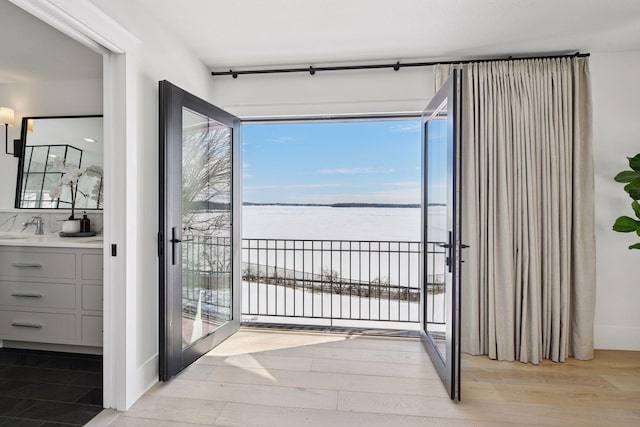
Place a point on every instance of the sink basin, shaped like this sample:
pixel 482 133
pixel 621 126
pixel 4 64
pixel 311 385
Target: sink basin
pixel 15 237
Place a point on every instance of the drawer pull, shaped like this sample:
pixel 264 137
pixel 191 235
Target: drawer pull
pixel 26 265
pixel 27 325
pixel 26 295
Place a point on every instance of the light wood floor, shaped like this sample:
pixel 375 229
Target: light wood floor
pixel 296 379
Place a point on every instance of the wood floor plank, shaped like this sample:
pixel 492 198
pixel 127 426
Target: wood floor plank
pixel 383 403
pixel 485 410
pixel 378 343
pixel 173 408
pixel 249 393
pixel 366 355
pixel 374 368
pixel 604 363
pixel 623 382
pixel 474 390
pixel 236 415
pixel 563 395
pixel 197 372
pixel 526 377
pixel 126 421
pixel 248 341
pixel 260 360
pixel 329 381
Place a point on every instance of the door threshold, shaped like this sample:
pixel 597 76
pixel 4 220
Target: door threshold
pixel 342 330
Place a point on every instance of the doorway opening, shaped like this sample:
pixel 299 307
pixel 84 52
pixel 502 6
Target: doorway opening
pixel 331 224
pixel 292 273
pixel 51 286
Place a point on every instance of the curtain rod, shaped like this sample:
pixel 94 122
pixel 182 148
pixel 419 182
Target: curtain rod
pixel 312 70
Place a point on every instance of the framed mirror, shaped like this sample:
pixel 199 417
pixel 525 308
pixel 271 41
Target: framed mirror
pixel 60 163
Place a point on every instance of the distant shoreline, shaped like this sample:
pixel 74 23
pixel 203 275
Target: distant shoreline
pixel 343 205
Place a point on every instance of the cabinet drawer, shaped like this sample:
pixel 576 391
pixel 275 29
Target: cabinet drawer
pixel 92 266
pixel 38 327
pixel 92 330
pixel 38 295
pixel 51 265
pixel 92 297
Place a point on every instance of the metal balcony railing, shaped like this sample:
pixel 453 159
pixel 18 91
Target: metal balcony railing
pixel 344 280
pixel 338 279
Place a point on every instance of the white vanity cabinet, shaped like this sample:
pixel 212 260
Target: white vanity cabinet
pixel 51 295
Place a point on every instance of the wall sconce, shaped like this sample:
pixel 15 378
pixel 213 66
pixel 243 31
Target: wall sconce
pixel 7 118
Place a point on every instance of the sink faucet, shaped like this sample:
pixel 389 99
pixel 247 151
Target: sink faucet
pixel 37 221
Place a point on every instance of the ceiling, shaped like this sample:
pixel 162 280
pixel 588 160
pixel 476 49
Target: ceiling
pixel 259 33
pixel 33 51
pixel 248 33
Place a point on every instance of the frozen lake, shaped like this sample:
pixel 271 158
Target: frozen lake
pixel 329 223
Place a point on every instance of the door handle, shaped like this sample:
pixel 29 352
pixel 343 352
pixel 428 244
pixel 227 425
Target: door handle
pixel 174 242
pixel 449 247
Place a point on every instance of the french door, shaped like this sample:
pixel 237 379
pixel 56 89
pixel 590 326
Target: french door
pixel 441 233
pixel 198 240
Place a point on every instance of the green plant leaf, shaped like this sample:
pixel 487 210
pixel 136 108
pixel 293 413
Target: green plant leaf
pixel 625 224
pixel 634 162
pixel 633 188
pixel 627 176
pixel 636 208
pixel 636 246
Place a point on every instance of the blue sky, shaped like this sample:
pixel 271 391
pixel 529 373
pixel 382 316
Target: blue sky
pixel 332 162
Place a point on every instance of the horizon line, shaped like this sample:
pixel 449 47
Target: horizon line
pixel 340 205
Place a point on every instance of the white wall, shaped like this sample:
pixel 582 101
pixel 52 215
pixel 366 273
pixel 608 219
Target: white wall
pixel 325 93
pixel 616 124
pixel 159 56
pixel 52 98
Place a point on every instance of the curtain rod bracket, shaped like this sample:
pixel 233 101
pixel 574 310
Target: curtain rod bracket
pixel 397 66
pixel 311 70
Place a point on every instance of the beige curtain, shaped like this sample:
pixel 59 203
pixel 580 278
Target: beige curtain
pixel 528 211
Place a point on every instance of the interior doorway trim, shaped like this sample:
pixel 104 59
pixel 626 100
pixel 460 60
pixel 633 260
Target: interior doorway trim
pixel 84 22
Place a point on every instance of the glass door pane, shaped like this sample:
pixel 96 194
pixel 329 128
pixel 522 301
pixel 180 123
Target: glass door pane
pixel 437 231
pixel 206 225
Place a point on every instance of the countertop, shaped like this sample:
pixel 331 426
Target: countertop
pixel 50 240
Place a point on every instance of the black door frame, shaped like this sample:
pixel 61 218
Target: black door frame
pixel 173 358
pixel 449 369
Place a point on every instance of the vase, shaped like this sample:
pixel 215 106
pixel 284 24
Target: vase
pixel 71 226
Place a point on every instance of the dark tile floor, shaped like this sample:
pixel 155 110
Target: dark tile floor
pixel 49 389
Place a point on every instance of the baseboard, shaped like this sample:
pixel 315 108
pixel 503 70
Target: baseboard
pixel 103 419
pixel 146 376
pixel 611 337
